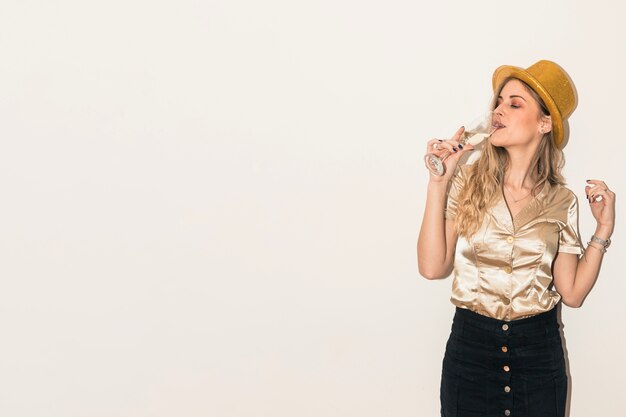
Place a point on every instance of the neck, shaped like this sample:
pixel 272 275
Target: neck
pixel 520 176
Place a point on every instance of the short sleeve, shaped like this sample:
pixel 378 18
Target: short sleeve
pixel 569 238
pixel 456 185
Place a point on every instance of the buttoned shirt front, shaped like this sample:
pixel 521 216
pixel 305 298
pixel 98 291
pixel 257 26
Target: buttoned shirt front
pixel 504 270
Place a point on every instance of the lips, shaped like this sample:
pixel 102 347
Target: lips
pixel 497 125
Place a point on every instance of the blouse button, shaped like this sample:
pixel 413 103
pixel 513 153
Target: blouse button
pixel 506 368
pixel 507 389
pixel 505 327
pixel 510 239
pixel 505 349
pixel 507 412
pixel 508 269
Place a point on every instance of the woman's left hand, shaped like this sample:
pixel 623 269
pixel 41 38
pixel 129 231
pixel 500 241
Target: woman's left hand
pixel 604 209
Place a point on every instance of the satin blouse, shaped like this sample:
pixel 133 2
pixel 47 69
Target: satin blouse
pixel 504 271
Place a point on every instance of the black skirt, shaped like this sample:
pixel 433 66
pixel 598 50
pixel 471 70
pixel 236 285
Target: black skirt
pixel 499 368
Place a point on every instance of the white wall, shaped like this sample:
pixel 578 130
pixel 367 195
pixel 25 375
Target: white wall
pixel 211 208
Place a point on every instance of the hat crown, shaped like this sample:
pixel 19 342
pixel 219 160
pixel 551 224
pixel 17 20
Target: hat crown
pixel 556 83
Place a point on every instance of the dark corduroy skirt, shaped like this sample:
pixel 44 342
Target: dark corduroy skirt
pixel 499 368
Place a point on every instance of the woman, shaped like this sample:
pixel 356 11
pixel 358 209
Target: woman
pixel 506 227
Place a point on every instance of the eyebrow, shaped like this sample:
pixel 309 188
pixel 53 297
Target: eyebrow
pixel 514 96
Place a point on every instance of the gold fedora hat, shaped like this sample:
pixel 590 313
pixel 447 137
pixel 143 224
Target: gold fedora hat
pixel 552 84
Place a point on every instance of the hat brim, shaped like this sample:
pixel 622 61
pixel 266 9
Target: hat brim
pixel 505 71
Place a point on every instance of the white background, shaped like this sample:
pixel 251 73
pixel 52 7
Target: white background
pixel 211 208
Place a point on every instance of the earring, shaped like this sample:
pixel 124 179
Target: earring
pixel 541 130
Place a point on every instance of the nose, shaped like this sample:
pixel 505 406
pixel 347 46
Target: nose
pixel 498 110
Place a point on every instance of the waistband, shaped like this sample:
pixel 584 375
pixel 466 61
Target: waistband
pixel 541 320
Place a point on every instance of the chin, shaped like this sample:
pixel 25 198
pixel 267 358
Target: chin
pixel 495 142
pixel 497 139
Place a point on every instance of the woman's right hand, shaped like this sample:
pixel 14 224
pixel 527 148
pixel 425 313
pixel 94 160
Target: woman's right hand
pixel 456 151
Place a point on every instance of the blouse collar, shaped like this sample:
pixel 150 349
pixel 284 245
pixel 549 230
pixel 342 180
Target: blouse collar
pixel 503 215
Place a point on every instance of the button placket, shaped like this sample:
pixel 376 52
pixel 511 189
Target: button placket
pixel 505 369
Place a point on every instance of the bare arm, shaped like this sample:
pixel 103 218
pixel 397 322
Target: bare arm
pixel 437 238
pixel 574 277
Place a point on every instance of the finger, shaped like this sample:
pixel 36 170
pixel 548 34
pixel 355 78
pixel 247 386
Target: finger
pixel 450 145
pixel 455 146
pixel 595 190
pixel 434 146
pixel 597 182
pixel 459 150
pixel 598 195
pixel 430 145
pixel 458 133
pixel 466 147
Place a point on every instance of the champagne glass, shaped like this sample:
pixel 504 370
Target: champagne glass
pixel 477 131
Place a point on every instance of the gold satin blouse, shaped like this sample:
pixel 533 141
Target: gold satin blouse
pixel 505 270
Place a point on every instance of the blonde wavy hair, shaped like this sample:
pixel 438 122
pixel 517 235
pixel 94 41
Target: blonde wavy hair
pixel 485 176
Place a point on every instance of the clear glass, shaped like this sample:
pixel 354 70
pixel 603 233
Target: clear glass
pixel 478 130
